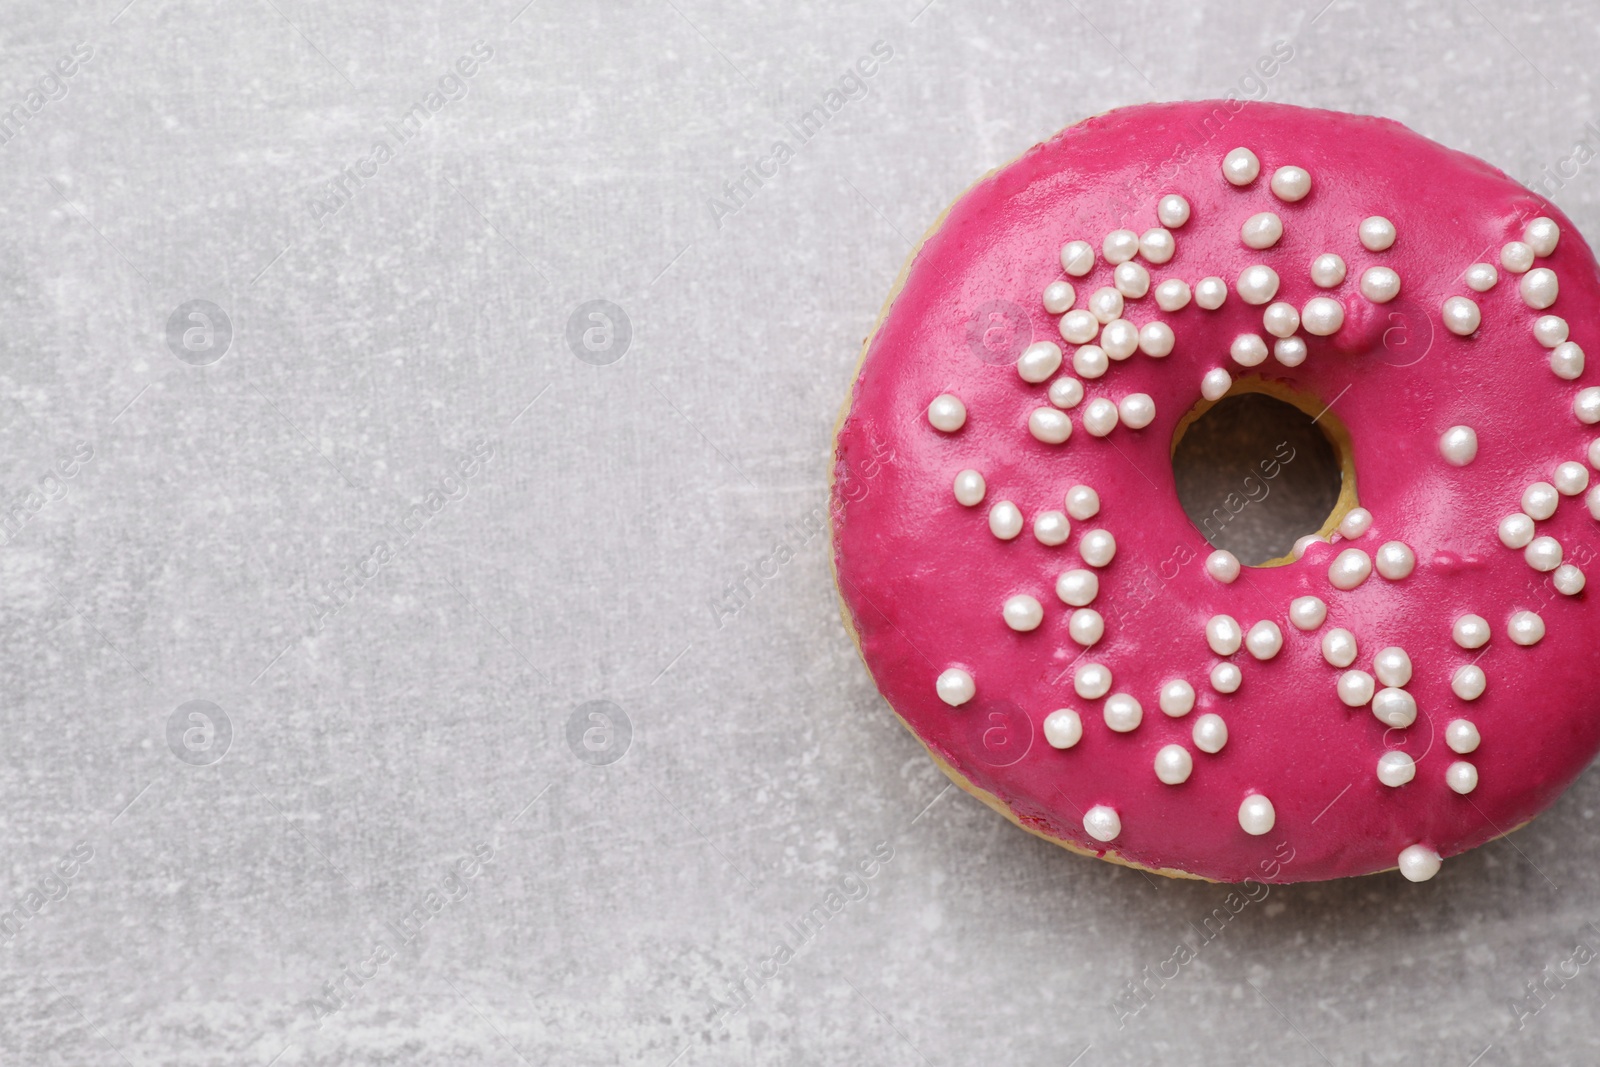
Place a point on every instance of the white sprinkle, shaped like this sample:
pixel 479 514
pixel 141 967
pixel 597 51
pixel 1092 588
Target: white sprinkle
pixel 1327 271
pixel 1291 183
pixel 1525 628
pixel 1022 613
pixel 1039 361
pixel 1568 580
pixel 1280 319
pixel 1550 330
pixel 1356 688
pixel 1539 288
pixel 1461 316
pixel 1470 632
pixel 1090 361
pixel 1157 245
pixel 1120 339
pixel 1516 257
pixel 1173 211
pixel 1066 392
pixel 1216 383
pixel 1050 426
pixel 1240 166
pixel 1481 277
pixel 1418 863
pixel 1264 640
pixel 1307 612
pixel 1377 233
pixel 1469 682
pixel 1256 815
pixel 1322 316
pixel 1541 235
pixel 1223 635
pixel 1395 560
pixel 1210 292
pixel 1396 769
pixel 1356 522
pixel 1136 410
pixel 1516 530
pixel 1566 361
pixel 1459 445
pixel 955 687
pixel 1105 304
pixel 1210 733
pixel 1261 230
pixel 1091 681
pixel 1005 520
pixel 947 413
pixel 1248 350
pixel 1082 502
pixel 1120 246
pixel 1097 547
pixel 1586 405
pixel 1539 501
pixel 1349 569
pixel 1173 295
pixel 1059 297
pixel 1302 544
pixel 1156 340
pixel 1079 326
pixel 1543 554
pixel 1131 279
pixel 1392 666
pixel 1174 765
pixel 1223 566
pixel 1394 707
pixel 1380 284
pixel 1086 627
pixel 1100 417
pixel 1177 698
pixel 1063 728
pixel 1339 647
pixel 1123 713
pixel 1102 823
pixel 969 488
pixel 1226 678
pixel 1290 351
pixel 1257 284
pixel 1077 258
pixel 1077 588
pixel 1461 776
pixel 1462 737
pixel 1051 528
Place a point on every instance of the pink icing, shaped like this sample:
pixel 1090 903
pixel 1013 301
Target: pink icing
pixel 924 579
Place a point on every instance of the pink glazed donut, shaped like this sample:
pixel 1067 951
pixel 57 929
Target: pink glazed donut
pixel 1416 678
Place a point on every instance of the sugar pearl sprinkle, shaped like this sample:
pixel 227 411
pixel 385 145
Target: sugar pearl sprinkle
pixel 1022 613
pixel 1459 445
pixel 1256 815
pixel 1240 166
pixel 1327 271
pixel 1376 233
pixel 1112 319
pixel 1223 566
pixel 1356 522
pixel 947 413
pixel 955 687
pixel 1291 184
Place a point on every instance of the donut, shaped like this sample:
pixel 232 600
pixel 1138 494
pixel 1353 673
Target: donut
pixel 1414 676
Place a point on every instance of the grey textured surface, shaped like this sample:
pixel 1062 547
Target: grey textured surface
pixel 399 631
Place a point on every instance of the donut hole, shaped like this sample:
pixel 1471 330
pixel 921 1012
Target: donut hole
pixel 1261 468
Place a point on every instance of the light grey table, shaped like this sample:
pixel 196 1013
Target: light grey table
pixel 485 766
